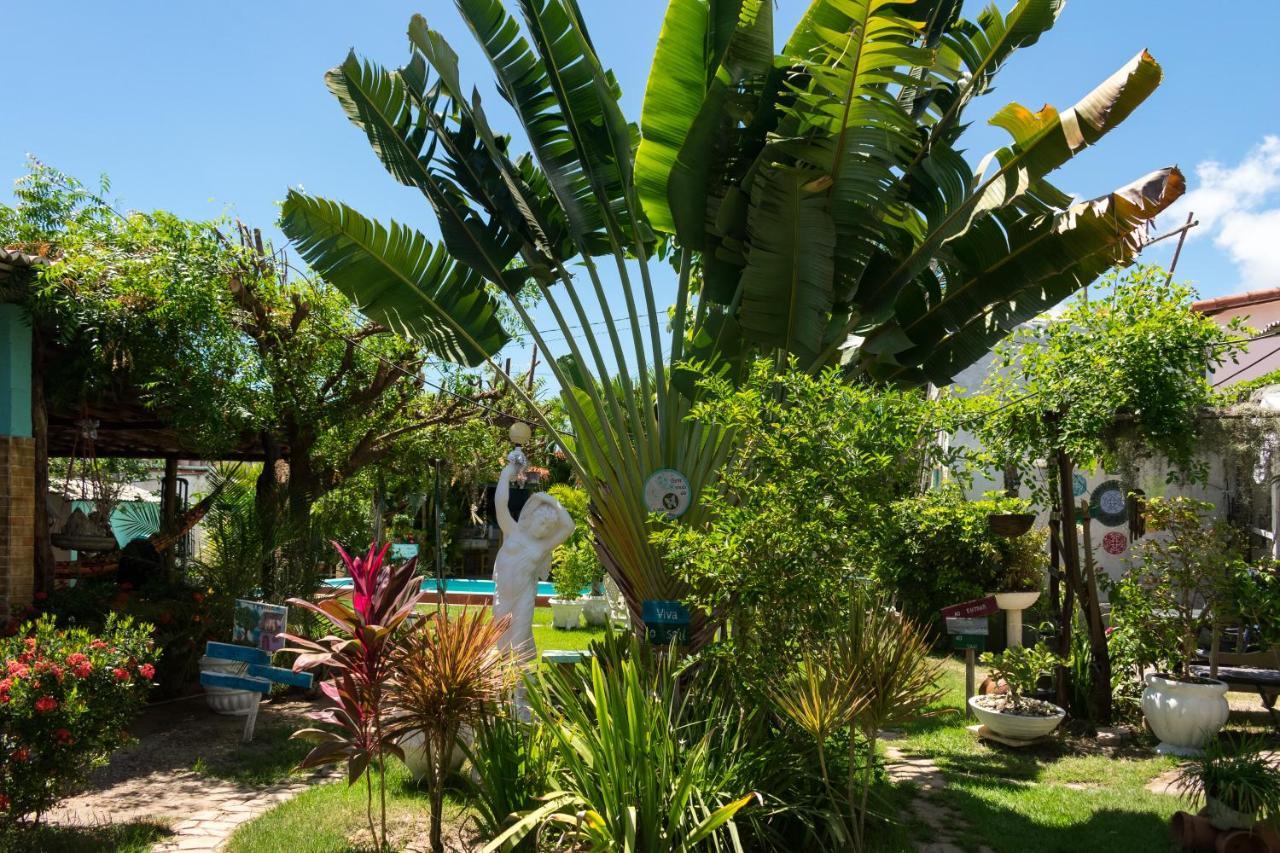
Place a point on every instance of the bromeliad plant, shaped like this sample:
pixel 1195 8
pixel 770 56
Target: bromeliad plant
pixel 814 198
pixel 361 655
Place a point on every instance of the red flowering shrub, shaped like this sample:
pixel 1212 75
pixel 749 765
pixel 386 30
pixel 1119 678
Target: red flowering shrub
pixel 65 698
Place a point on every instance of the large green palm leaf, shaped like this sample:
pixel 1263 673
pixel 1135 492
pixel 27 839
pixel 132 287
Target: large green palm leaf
pixel 396 277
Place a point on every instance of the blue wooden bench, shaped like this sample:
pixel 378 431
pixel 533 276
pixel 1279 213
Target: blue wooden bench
pixel 255 676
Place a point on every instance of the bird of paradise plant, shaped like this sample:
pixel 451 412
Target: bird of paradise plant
pixel 360 652
pixel 814 196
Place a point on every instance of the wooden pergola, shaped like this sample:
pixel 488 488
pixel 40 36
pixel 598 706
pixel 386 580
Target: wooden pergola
pixel 125 426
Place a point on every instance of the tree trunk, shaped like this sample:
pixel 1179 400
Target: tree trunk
pixel 1100 661
pixel 266 502
pixel 1077 588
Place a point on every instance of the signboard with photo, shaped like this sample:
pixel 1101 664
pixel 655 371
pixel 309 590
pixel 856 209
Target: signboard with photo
pixel 257 624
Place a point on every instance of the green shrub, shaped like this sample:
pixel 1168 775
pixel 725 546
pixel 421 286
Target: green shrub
pixel 66 699
pixel 941 551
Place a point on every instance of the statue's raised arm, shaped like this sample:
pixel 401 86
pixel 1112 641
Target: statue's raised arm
pixel 516 463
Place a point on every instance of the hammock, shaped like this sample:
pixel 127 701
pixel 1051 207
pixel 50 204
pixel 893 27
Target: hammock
pixel 109 562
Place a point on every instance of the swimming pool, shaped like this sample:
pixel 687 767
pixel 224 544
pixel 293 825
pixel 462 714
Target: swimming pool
pixel 460 586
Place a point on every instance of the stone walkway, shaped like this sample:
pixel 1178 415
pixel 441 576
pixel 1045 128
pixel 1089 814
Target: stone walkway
pixel 155 781
pixel 228 806
pixel 943 821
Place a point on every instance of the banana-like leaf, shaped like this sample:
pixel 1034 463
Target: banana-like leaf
pixel 396 277
pixel 786 287
pixel 689 51
pixel 1043 141
pixel 1012 279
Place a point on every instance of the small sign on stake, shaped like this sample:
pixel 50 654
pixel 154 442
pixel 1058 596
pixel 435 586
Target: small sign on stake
pixel 664 621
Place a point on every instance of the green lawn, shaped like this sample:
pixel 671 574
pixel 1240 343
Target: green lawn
pixel 1044 799
pixel 331 819
pixel 118 838
pixel 544 635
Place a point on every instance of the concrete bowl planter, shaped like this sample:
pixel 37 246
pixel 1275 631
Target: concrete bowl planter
pixel 417 754
pixel 1185 715
pixel 1016 726
pixel 566 613
pixel 224 700
pixel 595 609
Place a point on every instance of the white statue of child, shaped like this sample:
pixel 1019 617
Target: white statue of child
pixel 524 558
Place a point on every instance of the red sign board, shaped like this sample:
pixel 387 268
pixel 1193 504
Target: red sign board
pixel 966 609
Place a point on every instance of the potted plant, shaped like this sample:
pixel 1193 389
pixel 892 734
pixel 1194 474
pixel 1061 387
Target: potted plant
pixel 1014 713
pixel 1183 575
pixel 1240 786
pixel 571 575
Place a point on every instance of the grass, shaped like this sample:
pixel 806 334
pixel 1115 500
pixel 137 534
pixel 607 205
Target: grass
pixel 331 818
pixel 272 757
pixel 121 838
pixel 1050 798
pixel 545 635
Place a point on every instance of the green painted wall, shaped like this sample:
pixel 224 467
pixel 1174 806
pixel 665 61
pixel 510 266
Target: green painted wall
pixel 15 372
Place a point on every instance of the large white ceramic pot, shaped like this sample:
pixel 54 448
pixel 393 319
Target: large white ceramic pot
pixel 1016 726
pixel 225 700
pixel 1184 714
pixel 595 609
pixel 566 613
pixel 417 752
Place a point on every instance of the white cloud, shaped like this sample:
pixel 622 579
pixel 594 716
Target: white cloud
pixel 1239 206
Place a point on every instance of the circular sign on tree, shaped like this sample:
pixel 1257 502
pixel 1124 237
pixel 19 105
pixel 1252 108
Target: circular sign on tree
pixel 1108 504
pixel 1115 543
pixel 667 491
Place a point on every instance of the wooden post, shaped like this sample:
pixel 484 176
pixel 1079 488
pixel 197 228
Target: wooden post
pixel 43 556
pixel 970 663
pixel 169 512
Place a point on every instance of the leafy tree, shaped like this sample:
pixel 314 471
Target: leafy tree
pixel 803 506
pixel 1128 362
pixel 814 199
pixel 214 337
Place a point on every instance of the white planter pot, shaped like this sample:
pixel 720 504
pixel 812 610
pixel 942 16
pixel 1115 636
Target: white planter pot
pixel 417 754
pixel 1183 715
pixel 566 614
pixel 1015 726
pixel 595 609
pixel 224 700
pixel 1226 818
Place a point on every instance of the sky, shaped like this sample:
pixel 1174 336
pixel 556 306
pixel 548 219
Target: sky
pixel 218 108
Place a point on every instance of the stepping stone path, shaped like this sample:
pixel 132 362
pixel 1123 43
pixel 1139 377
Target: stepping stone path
pixel 154 780
pixel 943 821
pixel 228 806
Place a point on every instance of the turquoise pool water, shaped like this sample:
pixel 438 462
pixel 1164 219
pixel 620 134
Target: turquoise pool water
pixel 475 586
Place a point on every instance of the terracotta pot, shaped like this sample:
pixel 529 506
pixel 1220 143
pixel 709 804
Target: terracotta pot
pixel 1192 832
pixel 1182 714
pixel 1241 841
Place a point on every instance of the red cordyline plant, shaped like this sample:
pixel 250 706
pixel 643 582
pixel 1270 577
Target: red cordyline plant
pixel 367 630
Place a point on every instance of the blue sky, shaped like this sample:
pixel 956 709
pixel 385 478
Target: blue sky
pixel 213 108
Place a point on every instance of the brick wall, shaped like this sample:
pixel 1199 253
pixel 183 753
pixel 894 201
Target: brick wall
pixel 17 527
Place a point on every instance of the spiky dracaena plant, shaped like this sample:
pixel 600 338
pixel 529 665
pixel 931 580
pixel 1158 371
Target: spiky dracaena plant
pixel 360 652
pixel 876 674
pixel 449 673
pixel 815 197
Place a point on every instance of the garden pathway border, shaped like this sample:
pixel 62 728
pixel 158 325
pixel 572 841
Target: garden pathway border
pixel 928 779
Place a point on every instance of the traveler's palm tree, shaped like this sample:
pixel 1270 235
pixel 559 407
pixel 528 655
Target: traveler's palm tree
pixel 816 202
